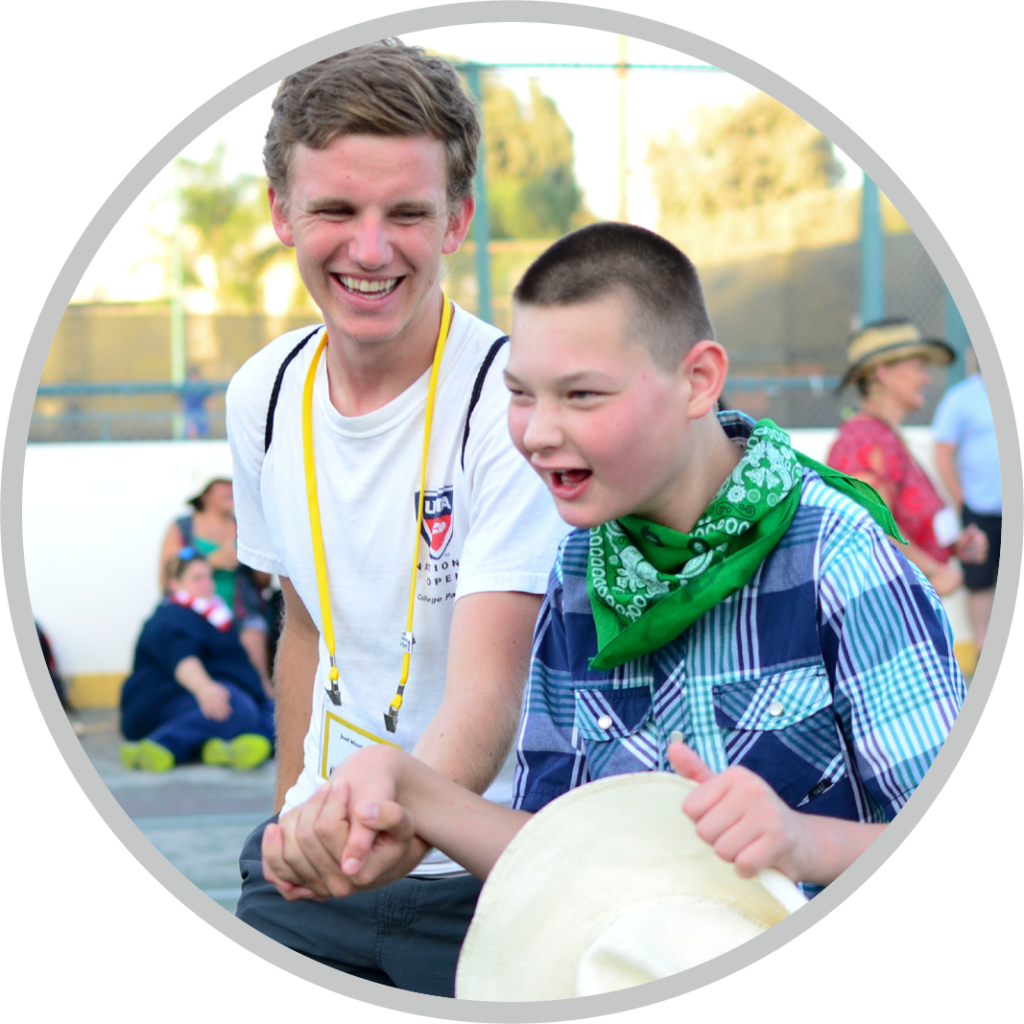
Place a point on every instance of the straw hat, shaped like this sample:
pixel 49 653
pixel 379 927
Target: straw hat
pixel 607 887
pixel 888 341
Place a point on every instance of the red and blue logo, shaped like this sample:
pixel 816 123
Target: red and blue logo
pixel 437 519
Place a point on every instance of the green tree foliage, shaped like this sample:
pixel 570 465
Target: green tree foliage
pixel 531 185
pixel 739 157
pixel 227 222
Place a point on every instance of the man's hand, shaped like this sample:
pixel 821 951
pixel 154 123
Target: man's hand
pixel 214 701
pixel 743 819
pixel 972 545
pixel 302 854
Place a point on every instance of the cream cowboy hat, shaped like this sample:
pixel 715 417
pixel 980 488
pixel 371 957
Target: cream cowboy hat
pixel 888 341
pixel 607 887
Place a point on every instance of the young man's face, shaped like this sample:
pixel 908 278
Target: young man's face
pixel 369 221
pixel 603 426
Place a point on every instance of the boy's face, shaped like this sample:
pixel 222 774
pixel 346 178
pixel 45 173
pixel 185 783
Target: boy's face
pixel 369 220
pixel 602 425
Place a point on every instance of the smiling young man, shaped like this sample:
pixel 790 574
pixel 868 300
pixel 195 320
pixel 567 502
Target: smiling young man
pixel 726 607
pixel 368 449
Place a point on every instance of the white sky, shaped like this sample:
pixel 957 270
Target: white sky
pixel 129 265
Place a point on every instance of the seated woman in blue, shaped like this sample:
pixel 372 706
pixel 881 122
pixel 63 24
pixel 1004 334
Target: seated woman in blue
pixel 193 693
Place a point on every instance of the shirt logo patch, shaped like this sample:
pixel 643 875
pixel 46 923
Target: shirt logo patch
pixel 437 519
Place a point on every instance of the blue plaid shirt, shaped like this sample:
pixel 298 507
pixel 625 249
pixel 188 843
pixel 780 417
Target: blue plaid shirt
pixel 830 674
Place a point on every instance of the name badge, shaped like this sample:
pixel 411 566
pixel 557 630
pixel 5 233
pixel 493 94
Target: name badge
pixel 341 735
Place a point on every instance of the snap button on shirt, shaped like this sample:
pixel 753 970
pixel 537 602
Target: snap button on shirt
pixel 604 722
pixel 775 709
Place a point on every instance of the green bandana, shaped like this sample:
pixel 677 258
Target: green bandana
pixel 647 583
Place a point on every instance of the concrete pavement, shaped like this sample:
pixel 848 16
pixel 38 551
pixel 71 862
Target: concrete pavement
pixel 197 816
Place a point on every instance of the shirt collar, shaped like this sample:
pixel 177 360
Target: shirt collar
pixel 737 425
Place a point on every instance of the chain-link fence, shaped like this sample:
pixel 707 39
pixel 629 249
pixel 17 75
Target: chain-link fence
pixel 783 318
pixel 102 378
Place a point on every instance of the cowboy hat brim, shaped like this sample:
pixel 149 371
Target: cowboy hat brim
pixel 594 868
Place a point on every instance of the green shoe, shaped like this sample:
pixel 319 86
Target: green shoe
pixel 130 755
pixel 249 750
pixel 152 757
pixel 216 751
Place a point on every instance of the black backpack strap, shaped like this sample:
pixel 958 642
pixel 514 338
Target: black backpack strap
pixel 269 435
pixel 478 386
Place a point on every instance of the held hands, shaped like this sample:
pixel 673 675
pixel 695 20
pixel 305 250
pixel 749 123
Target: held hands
pixel 348 837
pixel 743 819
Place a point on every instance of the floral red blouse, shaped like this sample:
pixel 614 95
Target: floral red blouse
pixel 868 447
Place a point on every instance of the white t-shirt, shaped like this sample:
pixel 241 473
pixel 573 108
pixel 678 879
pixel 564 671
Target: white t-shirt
pixel 489 527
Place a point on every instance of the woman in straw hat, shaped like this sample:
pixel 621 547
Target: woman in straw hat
pixel 888 362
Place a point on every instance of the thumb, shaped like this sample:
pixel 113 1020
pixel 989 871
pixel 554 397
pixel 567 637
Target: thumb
pixel 388 816
pixel 273 856
pixel 687 763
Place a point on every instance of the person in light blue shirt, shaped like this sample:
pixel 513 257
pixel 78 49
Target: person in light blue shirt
pixel 967 461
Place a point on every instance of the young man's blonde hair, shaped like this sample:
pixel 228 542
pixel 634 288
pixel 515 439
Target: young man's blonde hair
pixel 667 309
pixel 384 88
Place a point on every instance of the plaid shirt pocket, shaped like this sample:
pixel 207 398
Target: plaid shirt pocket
pixel 615 729
pixel 782 726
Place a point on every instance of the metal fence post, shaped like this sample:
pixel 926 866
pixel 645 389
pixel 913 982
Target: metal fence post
pixel 623 157
pixel 481 221
pixel 872 255
pixel 956 335
pixel 177 311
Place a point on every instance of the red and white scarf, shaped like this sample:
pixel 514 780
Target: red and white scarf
pixel 214 610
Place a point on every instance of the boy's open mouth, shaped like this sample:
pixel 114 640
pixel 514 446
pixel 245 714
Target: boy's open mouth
pixel 568 484
pixel 366 288
pixel 570 477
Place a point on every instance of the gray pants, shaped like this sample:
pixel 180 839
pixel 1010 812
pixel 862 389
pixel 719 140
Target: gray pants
pixel 407 935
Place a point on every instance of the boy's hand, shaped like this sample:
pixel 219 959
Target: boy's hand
pixel 743 819
pixel 381 836
pixel 374 828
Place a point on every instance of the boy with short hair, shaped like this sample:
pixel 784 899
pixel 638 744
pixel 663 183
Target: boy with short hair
pixel 725 607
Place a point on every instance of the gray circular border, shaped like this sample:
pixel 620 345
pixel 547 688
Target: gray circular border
pixel 914 919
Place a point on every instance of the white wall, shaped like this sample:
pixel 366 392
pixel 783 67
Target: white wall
pixel 95 516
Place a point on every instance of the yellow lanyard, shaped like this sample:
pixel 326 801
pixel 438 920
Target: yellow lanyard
pixel 316 530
